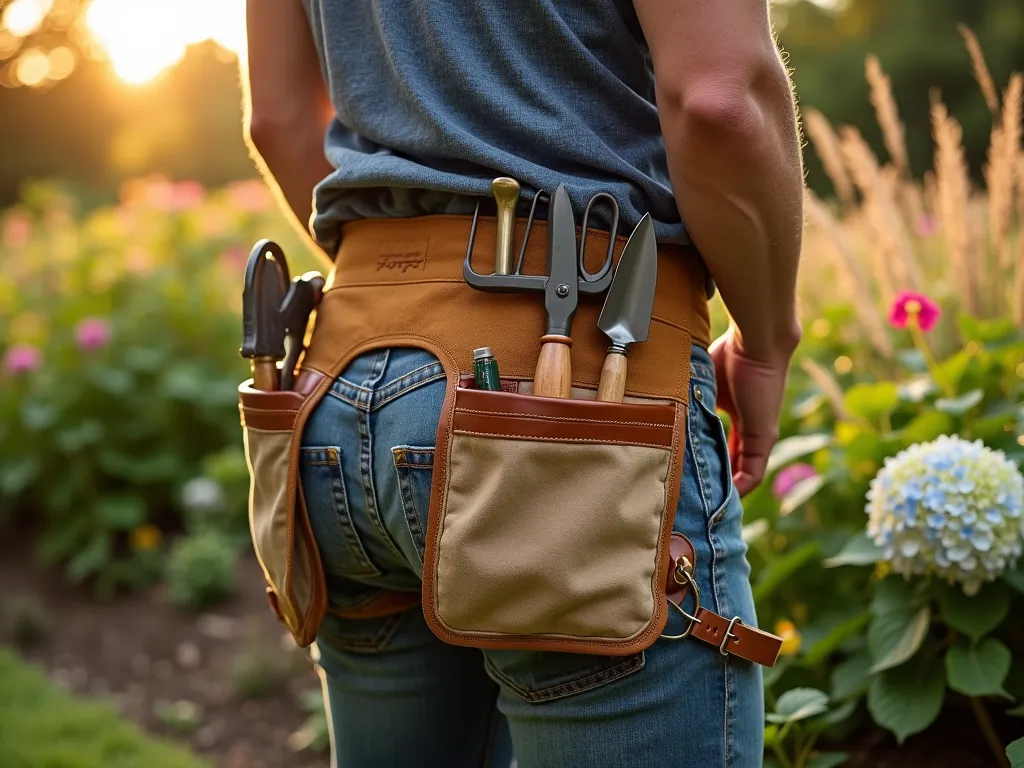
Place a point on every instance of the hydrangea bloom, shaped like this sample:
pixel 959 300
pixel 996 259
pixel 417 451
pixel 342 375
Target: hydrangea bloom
pixel 951 508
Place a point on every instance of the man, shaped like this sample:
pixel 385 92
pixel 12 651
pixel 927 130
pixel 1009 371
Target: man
pixel 407 108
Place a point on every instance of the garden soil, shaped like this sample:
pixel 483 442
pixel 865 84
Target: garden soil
pixel 141 653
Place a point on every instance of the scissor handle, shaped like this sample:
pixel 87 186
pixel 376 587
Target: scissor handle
pixel 606 267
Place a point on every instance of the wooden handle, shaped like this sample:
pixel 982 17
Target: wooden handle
pixel 265 376
pixel 613 378
pixel 554 371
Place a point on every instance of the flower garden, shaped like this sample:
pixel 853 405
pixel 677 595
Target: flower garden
pixel 886 544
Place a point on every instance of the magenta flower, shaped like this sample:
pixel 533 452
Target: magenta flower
pixel 92 333
pixel 914 305
pixel 926 226
pixel 788 477
pixel 21 358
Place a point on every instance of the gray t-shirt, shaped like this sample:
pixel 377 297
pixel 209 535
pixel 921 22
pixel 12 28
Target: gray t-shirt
pixel 434 98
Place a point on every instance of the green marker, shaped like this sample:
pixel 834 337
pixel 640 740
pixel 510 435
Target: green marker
pixel 485 369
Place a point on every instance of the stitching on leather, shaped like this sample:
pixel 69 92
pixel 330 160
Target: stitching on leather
pixel 598 441
pixel 573 419
pixel 595 680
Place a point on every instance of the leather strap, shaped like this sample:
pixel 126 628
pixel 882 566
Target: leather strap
pixel 729 636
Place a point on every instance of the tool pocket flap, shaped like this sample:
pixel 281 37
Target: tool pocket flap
pixel 278 523
pixel 549 522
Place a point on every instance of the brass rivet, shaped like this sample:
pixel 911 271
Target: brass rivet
pixel 698 394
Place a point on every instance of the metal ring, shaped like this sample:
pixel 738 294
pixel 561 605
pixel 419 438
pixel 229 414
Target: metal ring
pixel 688 579
pixel 729 633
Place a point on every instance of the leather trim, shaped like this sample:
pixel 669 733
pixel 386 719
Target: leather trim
pixel 748 643
pixel 525 427
pixel 627 414
pixel 468 381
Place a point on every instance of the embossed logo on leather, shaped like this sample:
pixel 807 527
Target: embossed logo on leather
pixel 403 257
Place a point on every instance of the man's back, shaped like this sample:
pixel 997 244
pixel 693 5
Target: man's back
pixel 435 97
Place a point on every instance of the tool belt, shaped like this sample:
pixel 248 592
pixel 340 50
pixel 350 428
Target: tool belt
pixel 550 520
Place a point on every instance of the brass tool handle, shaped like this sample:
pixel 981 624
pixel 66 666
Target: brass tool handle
pixel 613 378
pixel 506 194
pixel 554 371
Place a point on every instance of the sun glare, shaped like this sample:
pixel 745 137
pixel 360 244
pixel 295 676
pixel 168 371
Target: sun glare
pixel 143 39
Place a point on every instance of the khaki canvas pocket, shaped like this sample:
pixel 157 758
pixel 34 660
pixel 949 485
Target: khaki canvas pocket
pixel 549 522
pixel 278 523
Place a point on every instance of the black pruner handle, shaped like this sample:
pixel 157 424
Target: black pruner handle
pixel 302 298
pixel 263 330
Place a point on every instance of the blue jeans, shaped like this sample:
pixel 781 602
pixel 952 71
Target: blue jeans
pixel 398 696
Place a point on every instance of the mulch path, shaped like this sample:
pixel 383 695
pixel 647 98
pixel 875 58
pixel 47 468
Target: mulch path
pixel 138 651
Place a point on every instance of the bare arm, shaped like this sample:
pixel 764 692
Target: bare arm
pixel 287 107
pixel 729 120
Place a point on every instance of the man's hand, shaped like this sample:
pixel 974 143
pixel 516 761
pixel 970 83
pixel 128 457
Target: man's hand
pixel 750 391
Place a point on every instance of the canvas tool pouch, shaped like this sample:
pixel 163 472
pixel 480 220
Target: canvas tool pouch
pixel 550 519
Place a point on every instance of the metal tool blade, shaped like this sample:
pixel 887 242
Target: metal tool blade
pixel 561 293
pixel 626 315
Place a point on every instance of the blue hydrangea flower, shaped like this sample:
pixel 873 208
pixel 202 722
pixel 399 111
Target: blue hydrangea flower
pixel 949 508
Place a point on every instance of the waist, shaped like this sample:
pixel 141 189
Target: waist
pixel 404 278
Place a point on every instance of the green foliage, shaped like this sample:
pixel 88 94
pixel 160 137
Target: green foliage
pixel 43 726
pixel 907 699
pixel 201 570
pixel 181 716
pixel 800 715
pixel 978 670
pixel 314 735
pixel 24 620
pixel 259 670
pixel 1015 753
pixel 133 313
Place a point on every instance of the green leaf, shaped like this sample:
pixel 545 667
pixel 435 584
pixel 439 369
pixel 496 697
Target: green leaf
pixel 978 670
pixel 1015 578
pixel 792 448
pixel 801 493
pixel 79 436
pixel 916 390
pixel 869 401
pixel 925 427
pixel 894 595
pixel 91 558
pixel 894 637
pixel 954 368
pixel 140 470
pixel 121 512
pixel 827 760
pixel 771 733
pixel 18 474
pixel 836 636
pixel 986 330
pixel 979 614
pixel 1017 711
pixel 1015 753
pixel 912 360
pixel 831 718
pixel 859 550
pixel 38 416
pixel 907 699
pixel 799 704
pixel 850 678
pixel 775 573
pixel 958 406
pixel 112 381
pixel 144 359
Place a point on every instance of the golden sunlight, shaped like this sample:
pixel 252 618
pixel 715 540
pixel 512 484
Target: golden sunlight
pixel 143 39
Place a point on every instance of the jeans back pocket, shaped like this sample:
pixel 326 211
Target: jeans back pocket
pixel 323 484
pixel 415 468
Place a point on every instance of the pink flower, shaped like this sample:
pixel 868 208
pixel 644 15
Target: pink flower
pixel 17 230
pixel 187 195
pixel 251 196
pixel 788 477
pixel 92 333
pixel 926 226
pixel 171 197
pixel 914 305
pixel 21 358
